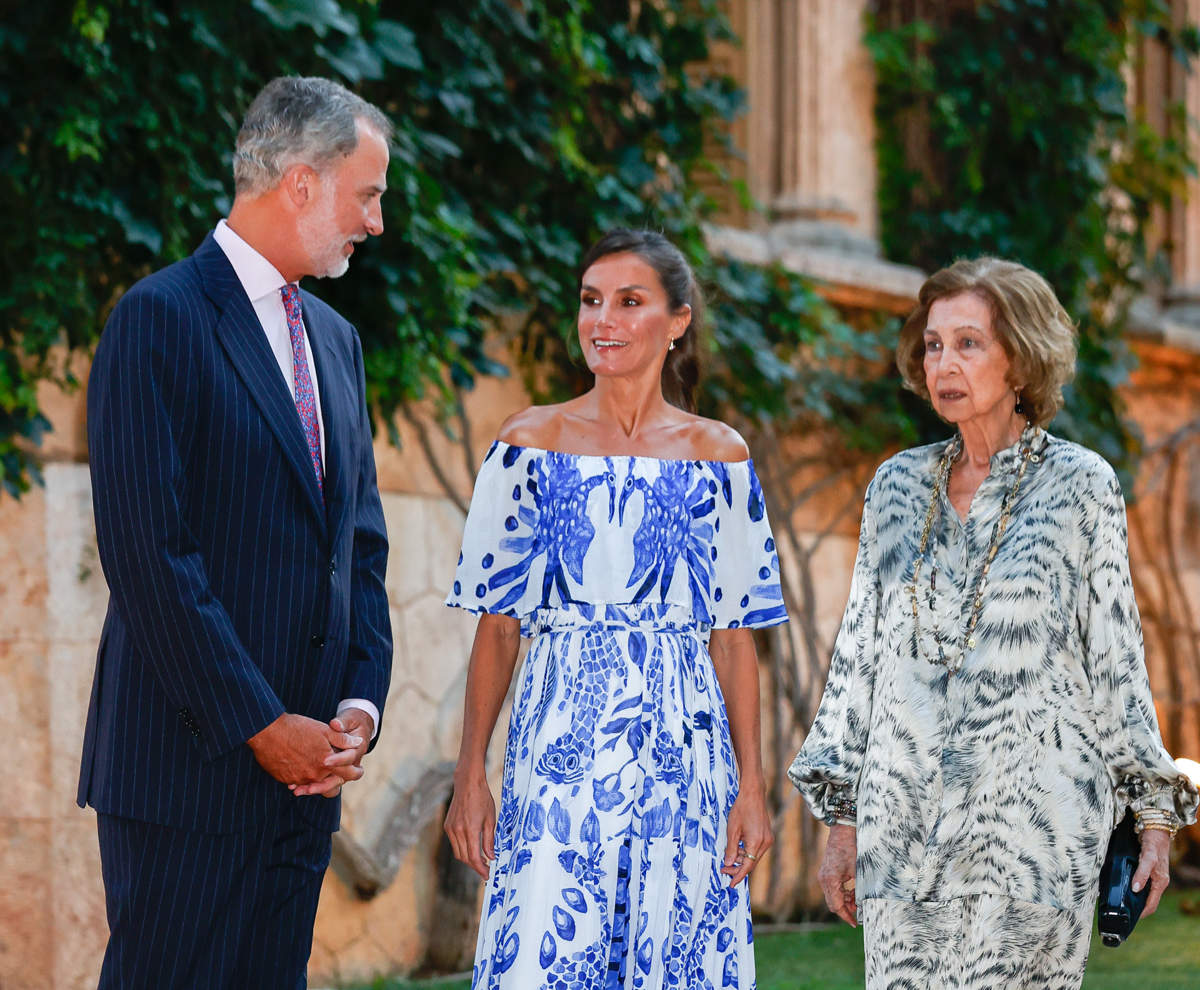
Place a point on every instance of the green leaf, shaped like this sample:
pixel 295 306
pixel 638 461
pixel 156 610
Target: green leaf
pixel 397 44
pixel 137 231
pixel 355 60
pixel 319 15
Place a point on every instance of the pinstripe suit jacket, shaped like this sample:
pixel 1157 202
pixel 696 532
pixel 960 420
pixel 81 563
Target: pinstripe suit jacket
pixel 234 594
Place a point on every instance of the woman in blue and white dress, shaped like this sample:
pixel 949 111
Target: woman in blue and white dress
pixel 628 538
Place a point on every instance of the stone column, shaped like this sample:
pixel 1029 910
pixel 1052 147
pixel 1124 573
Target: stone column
pixel 756 23
pixel 1183 228
pixel 809 142
pixel 825 189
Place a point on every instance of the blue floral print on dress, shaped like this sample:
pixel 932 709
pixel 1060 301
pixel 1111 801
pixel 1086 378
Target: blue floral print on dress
pixel 619 769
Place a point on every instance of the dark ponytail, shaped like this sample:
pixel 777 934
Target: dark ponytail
pixel 681 373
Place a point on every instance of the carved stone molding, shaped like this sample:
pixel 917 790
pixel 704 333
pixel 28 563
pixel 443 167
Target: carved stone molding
pixel 1176 326
pixel 845 275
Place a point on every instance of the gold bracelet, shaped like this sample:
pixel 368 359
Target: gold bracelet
pixel 1157 815
pixel 1157 827
pixel 1147 822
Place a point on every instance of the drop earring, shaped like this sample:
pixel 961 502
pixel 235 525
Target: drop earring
pixel 671 346
pixel 1018 408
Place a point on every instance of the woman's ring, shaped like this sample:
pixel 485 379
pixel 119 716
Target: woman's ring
pixel 750 856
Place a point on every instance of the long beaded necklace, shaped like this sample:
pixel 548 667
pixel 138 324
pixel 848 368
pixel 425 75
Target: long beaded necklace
pixel 954 663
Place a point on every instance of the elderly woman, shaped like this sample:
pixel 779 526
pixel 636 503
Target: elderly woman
pixel 987 713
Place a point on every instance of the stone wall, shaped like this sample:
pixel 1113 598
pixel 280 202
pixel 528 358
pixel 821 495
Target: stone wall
pixel 52 599
pixel 1164 399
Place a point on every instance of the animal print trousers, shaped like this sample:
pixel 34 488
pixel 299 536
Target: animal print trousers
pixel 980 942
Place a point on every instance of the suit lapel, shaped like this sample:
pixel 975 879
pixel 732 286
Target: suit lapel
pixel 242 336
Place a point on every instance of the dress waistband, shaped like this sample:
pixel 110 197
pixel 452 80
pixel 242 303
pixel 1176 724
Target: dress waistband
pixel 652 616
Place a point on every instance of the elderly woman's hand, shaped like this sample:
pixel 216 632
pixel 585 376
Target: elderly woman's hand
pixel 1154 864
pixel 837 873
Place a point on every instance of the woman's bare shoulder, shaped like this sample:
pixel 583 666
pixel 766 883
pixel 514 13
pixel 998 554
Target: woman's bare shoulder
pixel 557 427
pixel 534 426
pixel 713 440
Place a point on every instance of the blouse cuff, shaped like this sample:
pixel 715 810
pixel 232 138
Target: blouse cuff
pixel 843 808
pixel 833 803
pixel 1177 798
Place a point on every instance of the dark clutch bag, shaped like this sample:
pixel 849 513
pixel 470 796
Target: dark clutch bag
pixel 1120 907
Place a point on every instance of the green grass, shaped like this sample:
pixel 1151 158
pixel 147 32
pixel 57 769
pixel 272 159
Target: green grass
pixel 826 958
pixel 1163 954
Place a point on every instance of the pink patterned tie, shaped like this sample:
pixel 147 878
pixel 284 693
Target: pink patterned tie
pixel 306 404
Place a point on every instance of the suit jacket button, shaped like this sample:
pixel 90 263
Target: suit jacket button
pixel 317 640
pixel 332 567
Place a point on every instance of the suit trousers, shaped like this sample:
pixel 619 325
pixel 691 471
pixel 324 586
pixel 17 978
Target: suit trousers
pixel 193 910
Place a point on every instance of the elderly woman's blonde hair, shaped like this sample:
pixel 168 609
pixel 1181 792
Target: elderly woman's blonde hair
pixel 1035 331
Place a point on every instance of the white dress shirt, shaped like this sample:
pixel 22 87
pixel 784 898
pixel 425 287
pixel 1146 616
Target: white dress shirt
pixel 263 283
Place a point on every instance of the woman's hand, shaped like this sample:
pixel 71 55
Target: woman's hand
pixel 837 873
pixel 471 822
pixel 748 833
pixel 471 818
pixel 1154 864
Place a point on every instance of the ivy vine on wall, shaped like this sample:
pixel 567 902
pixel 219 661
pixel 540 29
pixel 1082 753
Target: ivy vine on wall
pixel 1005 128
pixel 523 129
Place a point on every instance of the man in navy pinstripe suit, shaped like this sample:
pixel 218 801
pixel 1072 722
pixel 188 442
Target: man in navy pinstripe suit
pixel 245 657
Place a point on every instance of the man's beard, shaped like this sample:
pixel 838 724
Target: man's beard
pixel 327 256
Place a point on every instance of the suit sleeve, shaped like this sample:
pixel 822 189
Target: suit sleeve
pixel 369 663
pixel 140 395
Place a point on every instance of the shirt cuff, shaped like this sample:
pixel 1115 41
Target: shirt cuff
pixel 367 707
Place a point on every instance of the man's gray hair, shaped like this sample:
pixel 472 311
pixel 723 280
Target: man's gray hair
pixel 299 120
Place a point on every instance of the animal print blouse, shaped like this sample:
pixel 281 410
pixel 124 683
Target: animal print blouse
pixel 1004 777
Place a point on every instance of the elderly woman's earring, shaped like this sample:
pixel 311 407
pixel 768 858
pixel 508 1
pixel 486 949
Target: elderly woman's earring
pixel 1018 408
